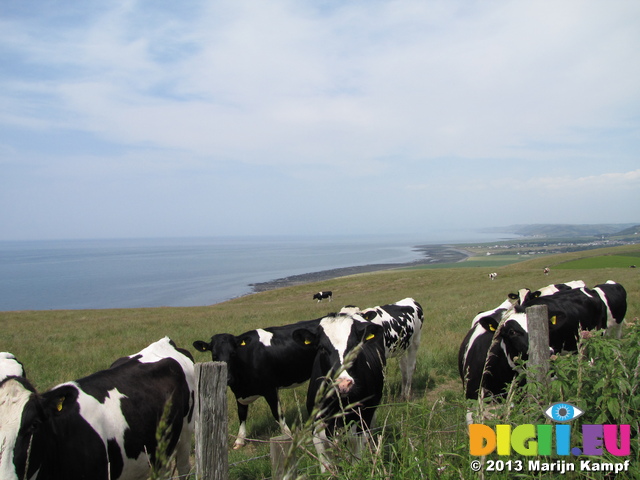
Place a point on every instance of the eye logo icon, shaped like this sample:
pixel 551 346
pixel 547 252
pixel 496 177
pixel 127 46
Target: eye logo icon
pixel 563 412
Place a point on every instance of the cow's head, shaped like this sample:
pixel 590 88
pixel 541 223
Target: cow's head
pixel 343 344
pixel 513 335
pixel 225 347
pixel 523 295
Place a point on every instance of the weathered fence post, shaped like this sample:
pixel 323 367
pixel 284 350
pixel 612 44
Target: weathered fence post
pixel 212 462
pixel 538 364
pixel 280 447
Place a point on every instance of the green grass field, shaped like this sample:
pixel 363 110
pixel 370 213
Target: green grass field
pixel 605 261
pixel 57 346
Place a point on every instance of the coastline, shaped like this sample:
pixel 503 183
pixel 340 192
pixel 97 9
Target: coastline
pixel 432 254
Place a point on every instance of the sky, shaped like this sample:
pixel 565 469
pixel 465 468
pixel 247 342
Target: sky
pixel 131 118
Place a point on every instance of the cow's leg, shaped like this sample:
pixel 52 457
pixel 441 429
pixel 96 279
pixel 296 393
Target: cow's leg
pixel 277 411
pixel 241 440
pixel 408 364
pixel 183 449
pixel 614 329
pixel 320 442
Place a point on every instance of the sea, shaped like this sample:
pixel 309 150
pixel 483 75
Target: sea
pixel 180 272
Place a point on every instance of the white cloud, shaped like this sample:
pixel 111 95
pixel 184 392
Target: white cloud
pixel 387 75
pixel 447 97
pixel 606 182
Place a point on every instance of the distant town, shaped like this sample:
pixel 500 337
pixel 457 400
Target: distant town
pixel 550 239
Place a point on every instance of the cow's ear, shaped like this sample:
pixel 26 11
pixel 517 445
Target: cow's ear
pixel 370 315
pixel 59 401
pixel 243 341
pixel 513 296
pixel 557 319
pixel 305 337
pixel 489 324
pixel 536 294
pixel 202 346
pixel 369 331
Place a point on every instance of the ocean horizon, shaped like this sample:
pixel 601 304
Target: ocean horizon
pixel 181 272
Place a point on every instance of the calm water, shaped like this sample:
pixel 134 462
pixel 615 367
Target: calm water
pixel 92 274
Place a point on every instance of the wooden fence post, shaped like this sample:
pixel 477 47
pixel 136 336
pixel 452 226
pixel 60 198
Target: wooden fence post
pixel 280 449
pixel 538 364
pixel 212 462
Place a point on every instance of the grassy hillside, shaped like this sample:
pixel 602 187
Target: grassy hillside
pixel 57 346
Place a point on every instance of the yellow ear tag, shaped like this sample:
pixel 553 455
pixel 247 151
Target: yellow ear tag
pixel 370 336
pixel 307 342
pixel 492 328
pixel 243 343
pixel 553 320
pixel 59 404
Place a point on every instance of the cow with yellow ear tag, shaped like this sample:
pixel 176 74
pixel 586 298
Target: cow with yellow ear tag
pixel 402 325
pixel 486 365
pixel 347 374
pixel 259 363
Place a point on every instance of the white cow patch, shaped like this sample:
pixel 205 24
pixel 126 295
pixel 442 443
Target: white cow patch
pixel 9 366
pixel 163 349
pixel 337 330
pixel 13 398
pixel 586 293
pixel 478 330
pixel 105 418
pixel 264 337
pixel 248 400
pixel 506 305
pixel 108 421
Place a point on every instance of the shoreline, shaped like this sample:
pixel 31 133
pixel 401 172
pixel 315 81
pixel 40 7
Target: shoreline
pixel 432 254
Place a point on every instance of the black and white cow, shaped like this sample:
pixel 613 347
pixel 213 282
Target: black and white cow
pixel 488 365
pixel 322 295
pixel 493 275
pixel 259 362
pixel 525 294
pixel 614 296
pixel 569 312
pixel 348 370
pixel 402 322
pixel 10 366
pixel 100 427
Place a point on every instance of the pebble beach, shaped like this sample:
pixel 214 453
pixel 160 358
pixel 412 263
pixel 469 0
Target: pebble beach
pixel 432 254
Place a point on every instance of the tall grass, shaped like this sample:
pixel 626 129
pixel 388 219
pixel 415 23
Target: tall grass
pixel 58 346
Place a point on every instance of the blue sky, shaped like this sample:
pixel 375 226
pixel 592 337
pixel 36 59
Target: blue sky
pixel 197 118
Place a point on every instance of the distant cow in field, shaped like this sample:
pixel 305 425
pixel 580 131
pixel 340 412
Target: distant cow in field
pixel 402 323
pixel 100 427
pixel 259 362
pixel 493 276
pixel 10 366
pixel 322 295
pixel 546 270
pixel 348 369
